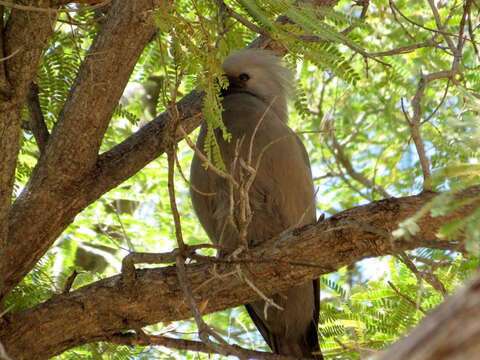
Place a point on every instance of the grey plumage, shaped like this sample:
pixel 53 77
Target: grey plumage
pixel 281 196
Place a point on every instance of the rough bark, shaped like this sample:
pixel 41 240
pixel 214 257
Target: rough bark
pixel 96 311
pixel 55 186
pixel 451 331
pixel 9 147
pixel 24 37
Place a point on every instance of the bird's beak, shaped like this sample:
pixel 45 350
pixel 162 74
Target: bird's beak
pixel 233 85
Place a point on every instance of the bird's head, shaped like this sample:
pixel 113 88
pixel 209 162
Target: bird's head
pixel 260 73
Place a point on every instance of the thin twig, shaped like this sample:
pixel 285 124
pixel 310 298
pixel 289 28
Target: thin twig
pixel 131 339
pixel 244 21
pixel 407 298
pixel 316 39
pixel 441 27
pixel 6 310
pixel 50 10
pixel 405 49
pixel 204 331
pixel 115 210
pixel 395 8
pixel 268 301
pixel 12 54
pixel 3 353
pixel 204 158
pixel 343 159
pixel 255 130
pixel 193 187
pixel 415 121
pixel 472 35
pixel 347 181
pixel 173 202
pixel 394 13
pixel 429 277
pixel 444 96
pixel 364 4
pixel 299 222
pixel 354 347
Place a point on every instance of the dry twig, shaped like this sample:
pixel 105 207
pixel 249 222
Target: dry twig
pixel 407 298
pixel 131 339
pixel 342 158
pixel 243 21
pixel 204 158
pixel 429 277
pixel 205 332
pixel 50 10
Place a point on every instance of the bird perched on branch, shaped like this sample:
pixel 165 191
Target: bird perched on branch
pixel 270 190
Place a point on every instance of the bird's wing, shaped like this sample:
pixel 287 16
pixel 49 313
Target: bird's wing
pixel 262 328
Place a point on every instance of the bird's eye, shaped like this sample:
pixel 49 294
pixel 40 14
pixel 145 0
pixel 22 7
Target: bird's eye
pixel 243 77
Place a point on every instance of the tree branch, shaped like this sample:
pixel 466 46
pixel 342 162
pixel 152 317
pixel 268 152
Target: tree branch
pixel 100 82
pixel 342 158
pixel 37 122
pixel 72 150
pixel 97 311
pixel 131 339
pixel 24 35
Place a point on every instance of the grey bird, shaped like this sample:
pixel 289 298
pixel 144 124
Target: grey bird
pixel 280 198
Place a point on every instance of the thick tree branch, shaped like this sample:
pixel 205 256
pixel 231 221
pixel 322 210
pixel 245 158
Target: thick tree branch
pixel 10 125
pixel 26 36
pixel 72 149
pixel 97 311
pixel 100 82
pixel 5 87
